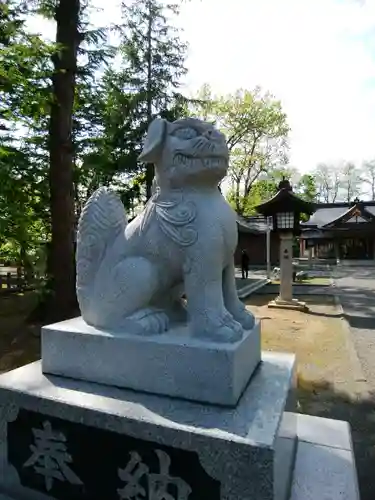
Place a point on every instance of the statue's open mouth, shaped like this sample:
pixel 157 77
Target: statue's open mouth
pixel 208 162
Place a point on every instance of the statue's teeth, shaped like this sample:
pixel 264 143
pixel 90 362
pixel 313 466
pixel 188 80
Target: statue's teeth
pixel 180 159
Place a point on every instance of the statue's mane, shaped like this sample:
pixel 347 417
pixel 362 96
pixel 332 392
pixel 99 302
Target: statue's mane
pixel 174 215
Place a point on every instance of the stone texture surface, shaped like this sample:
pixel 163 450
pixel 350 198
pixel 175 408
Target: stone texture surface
pixel 325 465
pixel 130 277
pixel 173 364
pixel 293 304
pixel 246 289
pixel 240 447
pixel 323 472
pixel 324 431
pixel 286 266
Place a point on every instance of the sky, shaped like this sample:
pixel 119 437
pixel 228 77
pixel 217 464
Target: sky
pixel 316 56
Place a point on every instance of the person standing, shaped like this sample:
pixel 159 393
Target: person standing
pixel 245 264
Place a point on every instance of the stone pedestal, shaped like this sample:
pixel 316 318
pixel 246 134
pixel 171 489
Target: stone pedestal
pixel 172 364
pixel 66 439
pixel 293 304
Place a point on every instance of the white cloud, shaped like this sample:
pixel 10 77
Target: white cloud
pixel 316 56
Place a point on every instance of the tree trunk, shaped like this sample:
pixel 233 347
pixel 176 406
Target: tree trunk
pixel 150 166
pixel 62 267
pixel 237 200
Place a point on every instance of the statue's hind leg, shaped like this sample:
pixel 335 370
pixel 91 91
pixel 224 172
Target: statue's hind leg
pixel 123 297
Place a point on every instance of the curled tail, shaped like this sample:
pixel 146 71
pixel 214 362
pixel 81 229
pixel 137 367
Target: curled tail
pixel 102 219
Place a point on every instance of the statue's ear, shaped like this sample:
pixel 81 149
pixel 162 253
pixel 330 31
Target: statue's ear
pixel 154 140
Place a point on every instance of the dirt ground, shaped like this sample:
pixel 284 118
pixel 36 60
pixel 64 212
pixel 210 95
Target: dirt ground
pixel 330 381
pixel 19 343
pixel 319 340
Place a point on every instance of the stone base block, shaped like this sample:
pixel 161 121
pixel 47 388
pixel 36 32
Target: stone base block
pixel 293 304
pixel 325 465
pixel 66 439
pixel 172 364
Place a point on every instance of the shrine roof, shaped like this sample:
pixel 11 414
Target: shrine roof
pixel 251 224
pixel 328 213
pixel 285 200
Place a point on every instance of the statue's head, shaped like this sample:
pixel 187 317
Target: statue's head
pixel 186 151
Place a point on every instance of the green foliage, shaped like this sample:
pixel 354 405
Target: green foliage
pixel 111 111
pixel 256 131
pixel 115 113
pixel 306 188
pixel 119 90
pixel 261 190
pixel 24 98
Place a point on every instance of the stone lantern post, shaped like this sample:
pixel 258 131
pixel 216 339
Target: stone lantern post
pixel 285 209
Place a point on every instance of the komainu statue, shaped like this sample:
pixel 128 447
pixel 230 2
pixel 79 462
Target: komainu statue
pixel 132 277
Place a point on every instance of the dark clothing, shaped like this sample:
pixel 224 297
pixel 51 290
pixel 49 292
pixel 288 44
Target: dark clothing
pixel 245 260
pixel 245 265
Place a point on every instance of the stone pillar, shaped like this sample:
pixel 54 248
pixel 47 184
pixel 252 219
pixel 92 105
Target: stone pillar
pixel 310 254
pixel 286 267
pixel 302 247
pixel 285 299
pixel 268 250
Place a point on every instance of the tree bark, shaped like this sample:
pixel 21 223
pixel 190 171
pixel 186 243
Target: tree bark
pixel 62 265
pixel 237 199
pixel 150 166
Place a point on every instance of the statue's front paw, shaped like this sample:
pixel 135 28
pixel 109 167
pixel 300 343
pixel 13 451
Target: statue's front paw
pixel 246 319
pixel 221 329
pixel 230 332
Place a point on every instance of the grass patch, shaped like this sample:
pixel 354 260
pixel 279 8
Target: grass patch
pixel 316 281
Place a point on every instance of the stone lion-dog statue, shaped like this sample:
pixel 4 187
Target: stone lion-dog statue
pixel 131 277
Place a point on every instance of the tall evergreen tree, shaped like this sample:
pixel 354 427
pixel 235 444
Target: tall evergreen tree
pixel 153 61
pixel 23 98
pixel 65 129
pixel 62 266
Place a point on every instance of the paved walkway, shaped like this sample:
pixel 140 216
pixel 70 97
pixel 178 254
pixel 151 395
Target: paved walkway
pixel 255 281
pixel 356 290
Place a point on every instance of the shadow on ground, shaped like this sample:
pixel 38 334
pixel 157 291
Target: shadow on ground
pixel 298 289
pixel 360 272
pixel 359 303
pixel 322 400
pixel 365 322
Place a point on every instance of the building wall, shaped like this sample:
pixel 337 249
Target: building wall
pixel 256 247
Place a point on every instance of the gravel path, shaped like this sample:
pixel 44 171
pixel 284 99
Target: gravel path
pixel 356 291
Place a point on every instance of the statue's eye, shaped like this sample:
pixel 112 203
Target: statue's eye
pixel 186 133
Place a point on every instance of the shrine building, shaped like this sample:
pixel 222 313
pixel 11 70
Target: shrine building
pixel 340 231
